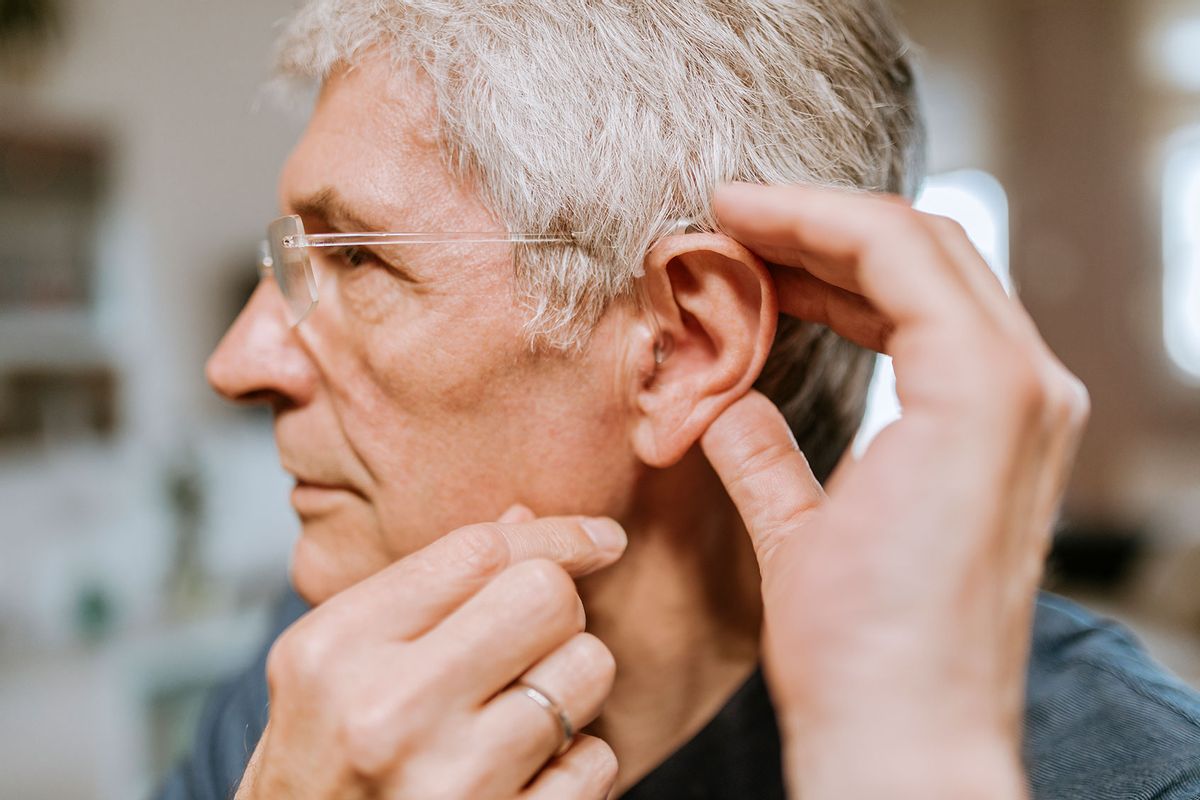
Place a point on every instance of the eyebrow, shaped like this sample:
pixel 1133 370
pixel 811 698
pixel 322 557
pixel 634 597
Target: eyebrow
pixel 330 208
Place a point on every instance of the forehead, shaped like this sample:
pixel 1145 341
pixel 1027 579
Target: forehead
pixel 372 140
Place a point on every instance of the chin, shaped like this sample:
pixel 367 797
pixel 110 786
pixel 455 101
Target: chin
pixel 325 564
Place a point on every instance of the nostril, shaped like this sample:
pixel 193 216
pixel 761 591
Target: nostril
pixel 264 397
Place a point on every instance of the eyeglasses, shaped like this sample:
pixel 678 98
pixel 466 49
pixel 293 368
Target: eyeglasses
pixel 284 254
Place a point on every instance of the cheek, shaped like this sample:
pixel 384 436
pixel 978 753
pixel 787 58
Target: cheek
pixel 371 297
pixel 457 422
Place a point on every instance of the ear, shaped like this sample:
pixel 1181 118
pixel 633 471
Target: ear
pixel 716 310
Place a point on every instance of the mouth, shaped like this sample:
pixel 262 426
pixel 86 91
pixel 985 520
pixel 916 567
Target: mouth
pixel 313 498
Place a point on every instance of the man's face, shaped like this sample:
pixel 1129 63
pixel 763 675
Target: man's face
pixel 408 403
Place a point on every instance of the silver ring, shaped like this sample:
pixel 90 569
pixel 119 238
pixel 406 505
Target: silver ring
pixel 564 722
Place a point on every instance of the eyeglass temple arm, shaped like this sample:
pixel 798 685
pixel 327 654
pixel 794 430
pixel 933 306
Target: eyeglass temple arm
pixel 367 239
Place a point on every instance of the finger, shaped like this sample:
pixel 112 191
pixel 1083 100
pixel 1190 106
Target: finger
pixel 585 772
pixel 752 450
pixel 852 240
pixel 409 597
pixel 976 272
pixel 517 513
pixel 577 677
pixel 849 315
pixel 512 623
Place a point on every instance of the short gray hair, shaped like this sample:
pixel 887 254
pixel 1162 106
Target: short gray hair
pixel 612 119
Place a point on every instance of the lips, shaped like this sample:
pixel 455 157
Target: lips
pixel 312 479
pixel 314 484
pixel 314 498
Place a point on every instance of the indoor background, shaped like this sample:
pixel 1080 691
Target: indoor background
pixel 144 525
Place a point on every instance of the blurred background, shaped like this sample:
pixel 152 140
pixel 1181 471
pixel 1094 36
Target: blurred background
pixel 145 528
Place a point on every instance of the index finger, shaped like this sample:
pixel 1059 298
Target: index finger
pixel 858 242
pixel 412 595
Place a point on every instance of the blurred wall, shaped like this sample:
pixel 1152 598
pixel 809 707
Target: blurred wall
pixel 91 532
pixel 1056 99
pixel 174 85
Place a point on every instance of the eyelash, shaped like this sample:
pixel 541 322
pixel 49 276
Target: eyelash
pixel 353 257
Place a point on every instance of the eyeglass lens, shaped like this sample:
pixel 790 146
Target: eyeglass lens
pixel 291 268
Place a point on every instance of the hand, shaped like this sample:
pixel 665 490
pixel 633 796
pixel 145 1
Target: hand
pixel 401 685
pixel 899 605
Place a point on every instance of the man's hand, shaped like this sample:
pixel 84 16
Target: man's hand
pixel 899 605
pixel 401 685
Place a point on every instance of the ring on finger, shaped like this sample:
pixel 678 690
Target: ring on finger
pixel 555 710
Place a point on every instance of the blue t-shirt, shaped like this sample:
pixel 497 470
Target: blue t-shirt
pixel 1103 722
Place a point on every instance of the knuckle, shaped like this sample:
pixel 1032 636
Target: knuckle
pixel 299 656
pixel 1083 400
pixel 547 579
pixel 483 548
pixel 465 783
pixel 434 780
pixel 1025 386
pixel 381 723
pixel 481 785
pixel 947 227
pixel 551 590
pixel 597 659
pixel 365 737
pixel 600 768
pixel 902 221
pixel 606 765
pixel 1077 403
pixel 278 670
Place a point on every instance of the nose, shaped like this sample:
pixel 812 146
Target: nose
pixel 260 359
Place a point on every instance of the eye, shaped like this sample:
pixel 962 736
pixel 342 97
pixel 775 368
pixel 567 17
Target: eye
pixel 353 257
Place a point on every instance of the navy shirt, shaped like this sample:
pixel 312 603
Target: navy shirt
pixel 1103 721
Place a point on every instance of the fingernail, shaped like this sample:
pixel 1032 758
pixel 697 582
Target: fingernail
pixel 739 189
pixel 606 533
pixel 517 513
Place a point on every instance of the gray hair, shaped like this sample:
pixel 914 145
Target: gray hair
pixel 611 120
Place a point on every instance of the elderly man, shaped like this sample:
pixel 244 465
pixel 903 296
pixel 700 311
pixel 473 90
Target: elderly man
pixel 505 290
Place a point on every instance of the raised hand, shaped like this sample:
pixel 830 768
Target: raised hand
pixel 410 683
pixel 899 598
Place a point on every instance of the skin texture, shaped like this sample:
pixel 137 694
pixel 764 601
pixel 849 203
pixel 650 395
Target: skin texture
pixel 408 409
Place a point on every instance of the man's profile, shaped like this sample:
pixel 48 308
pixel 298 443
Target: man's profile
pixel 441 380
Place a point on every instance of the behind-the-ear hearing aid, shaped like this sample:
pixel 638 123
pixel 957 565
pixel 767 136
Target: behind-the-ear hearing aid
pixel 664 344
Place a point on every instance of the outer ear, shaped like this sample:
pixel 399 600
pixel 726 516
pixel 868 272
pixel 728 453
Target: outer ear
pixel 715 305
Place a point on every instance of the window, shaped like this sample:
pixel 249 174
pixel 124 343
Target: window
pixel 1181 254
pixel 976 201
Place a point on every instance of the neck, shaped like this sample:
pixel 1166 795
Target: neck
pixel 681 613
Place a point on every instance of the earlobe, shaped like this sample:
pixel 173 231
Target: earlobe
pixel 715 310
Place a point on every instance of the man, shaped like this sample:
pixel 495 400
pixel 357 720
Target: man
pixel 422 385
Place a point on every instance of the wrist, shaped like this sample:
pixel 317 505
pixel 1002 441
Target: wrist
pixel 868 767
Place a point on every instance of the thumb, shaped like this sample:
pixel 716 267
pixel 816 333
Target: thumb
pixel 753 452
